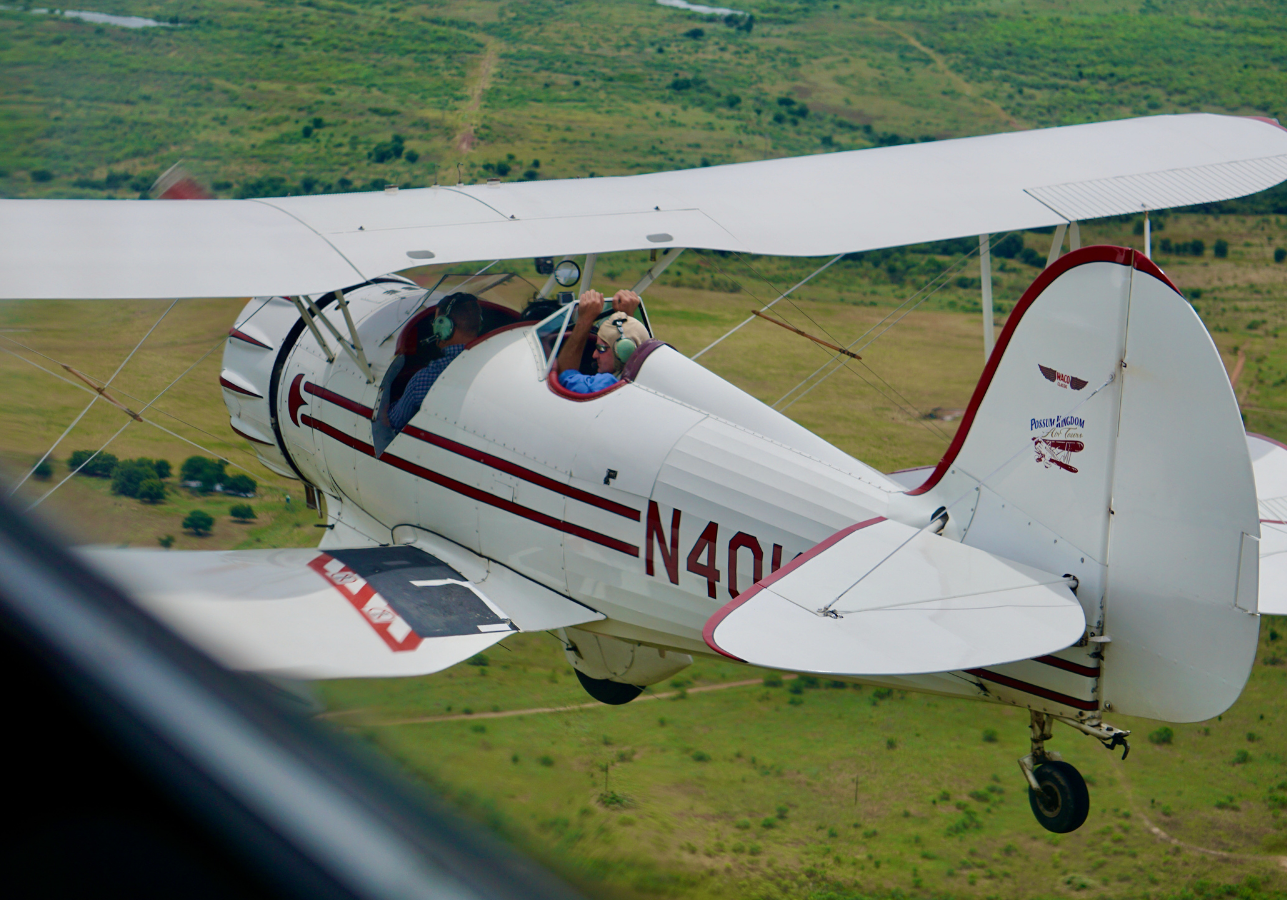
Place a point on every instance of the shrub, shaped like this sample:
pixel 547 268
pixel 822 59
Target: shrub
pixel 773 680
pixel 546 761
pixel 42 175
pixel 989 736
pixel 151 490
pixel 769 823
pixel 782 811
pixel 701 756
pixel 240 484
pixel 1221 248
pixel 891 743
pixel 43 471
pixel 479 660
pixel 411 156
pixel 1163 735
pixel 1280 254
pixel 1032 258
pixel 100 466
pixel 242 512
pixel 199 522
pixel 166 541
pixel 1008 247
pixel 162 467
pixel 1242 757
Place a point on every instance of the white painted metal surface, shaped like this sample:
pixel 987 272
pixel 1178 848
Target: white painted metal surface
pixel 904 602
pixel 816 205
pixel 268 611
pixel 1269 463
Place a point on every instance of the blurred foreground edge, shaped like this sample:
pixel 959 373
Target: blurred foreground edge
pixel 141 768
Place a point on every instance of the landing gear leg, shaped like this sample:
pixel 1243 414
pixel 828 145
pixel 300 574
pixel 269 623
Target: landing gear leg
pixel 1056 791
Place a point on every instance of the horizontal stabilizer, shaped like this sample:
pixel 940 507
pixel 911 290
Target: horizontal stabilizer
pixel 362 613
pixel 1269 463
pixel 881 598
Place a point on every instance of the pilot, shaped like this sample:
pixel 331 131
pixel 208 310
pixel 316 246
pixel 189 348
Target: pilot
pixel 458 320
pixel 618 337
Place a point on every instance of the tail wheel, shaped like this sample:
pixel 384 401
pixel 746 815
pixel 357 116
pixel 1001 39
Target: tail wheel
pixel 1063 802
pixel 615 693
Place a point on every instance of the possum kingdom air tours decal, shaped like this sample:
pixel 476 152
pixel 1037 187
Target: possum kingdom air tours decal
pixel 1055 440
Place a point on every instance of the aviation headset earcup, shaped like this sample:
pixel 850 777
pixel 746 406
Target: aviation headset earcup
pixel 624 346
pixel 443 325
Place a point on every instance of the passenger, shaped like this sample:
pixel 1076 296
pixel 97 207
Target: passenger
pixel 458 320
pixel 617 338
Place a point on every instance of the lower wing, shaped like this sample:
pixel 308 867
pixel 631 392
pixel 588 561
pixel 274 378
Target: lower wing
pixel 361 613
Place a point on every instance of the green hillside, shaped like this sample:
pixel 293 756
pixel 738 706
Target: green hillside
pixel 269 96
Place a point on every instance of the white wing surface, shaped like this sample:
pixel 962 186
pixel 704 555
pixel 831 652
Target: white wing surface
pixel 899 602
pixel 804 206
pixel 1269 463
pixel 364 613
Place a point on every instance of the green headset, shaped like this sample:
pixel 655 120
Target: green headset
pixel 444 326
pixel 624 346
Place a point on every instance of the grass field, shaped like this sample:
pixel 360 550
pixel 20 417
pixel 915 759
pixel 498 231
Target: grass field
pixel 752 791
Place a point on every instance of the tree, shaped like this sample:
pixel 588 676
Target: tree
pixel 100 466
pixel 243 512
pixel 129 474
pixel 166 541
pixel 43 470
pixel 1279 254
pixel 199 522
pixel 1221 248
pixel 151 490
pixel 202 472
pixel 162 467
pixel 239 484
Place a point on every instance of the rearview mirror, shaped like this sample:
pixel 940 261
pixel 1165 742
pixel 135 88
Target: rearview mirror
pixel 567 273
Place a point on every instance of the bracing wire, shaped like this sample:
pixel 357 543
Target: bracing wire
pixel 94 400
pixel 908 409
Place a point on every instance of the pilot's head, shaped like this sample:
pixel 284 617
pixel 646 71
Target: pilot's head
pixel 458 320
pixel 618 338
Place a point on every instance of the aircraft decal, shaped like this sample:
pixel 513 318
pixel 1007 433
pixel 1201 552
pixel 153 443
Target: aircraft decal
pixel 391 627
pixel 1071 382
pixel 1060 438
pixel 472 492
pixel 478 456
pixel 702 559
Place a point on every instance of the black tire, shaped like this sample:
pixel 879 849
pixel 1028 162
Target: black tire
pixel 613 693
pixel 1063 802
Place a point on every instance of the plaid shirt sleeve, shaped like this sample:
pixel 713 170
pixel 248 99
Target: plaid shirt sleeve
pixel 414 394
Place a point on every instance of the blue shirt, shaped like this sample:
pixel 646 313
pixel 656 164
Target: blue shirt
pixel 409 403
pixel 577 383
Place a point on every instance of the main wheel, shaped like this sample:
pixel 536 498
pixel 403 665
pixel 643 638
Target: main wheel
pixel 613 693
pixel 1063 802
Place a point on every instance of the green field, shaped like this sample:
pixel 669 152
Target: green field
pixel 750 791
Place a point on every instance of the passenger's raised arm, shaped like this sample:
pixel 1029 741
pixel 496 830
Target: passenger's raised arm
pixel 588 309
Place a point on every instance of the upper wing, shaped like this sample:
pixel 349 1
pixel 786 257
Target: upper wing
pixel 804 206
pixel 880 599
pixel 363 613
pixel 1269 464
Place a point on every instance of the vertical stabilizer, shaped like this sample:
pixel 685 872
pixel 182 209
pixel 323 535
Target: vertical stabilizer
pixel 1104 441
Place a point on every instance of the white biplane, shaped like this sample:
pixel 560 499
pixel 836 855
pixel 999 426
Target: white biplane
pixel 673 514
